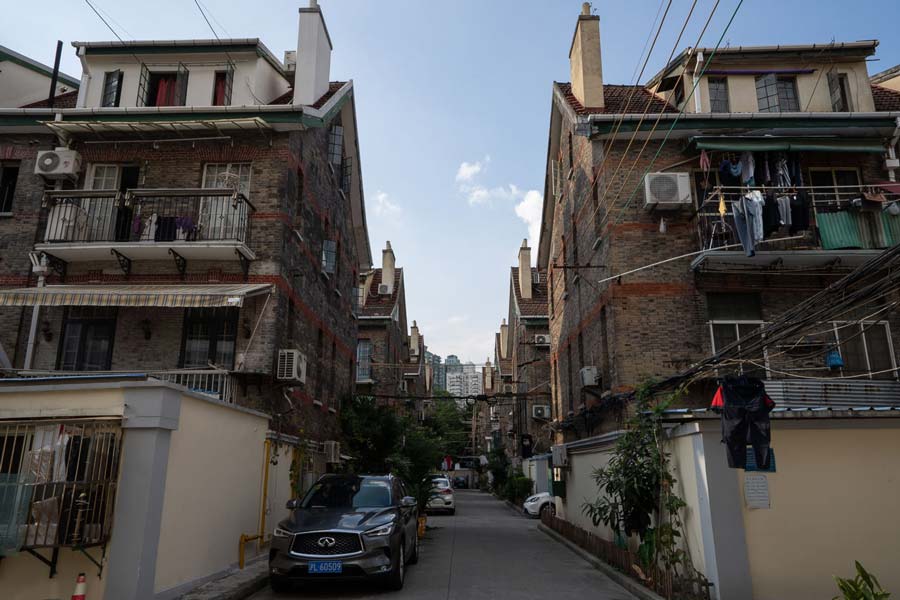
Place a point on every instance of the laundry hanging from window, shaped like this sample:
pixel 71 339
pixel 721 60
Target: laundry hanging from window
pixel 744 405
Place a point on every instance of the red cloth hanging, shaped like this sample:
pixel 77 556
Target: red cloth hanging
pixel 165 91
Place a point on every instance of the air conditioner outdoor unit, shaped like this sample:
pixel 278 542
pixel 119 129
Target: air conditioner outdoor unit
pixel 507 388
pixel 542 340
pixel 291 366
pixel 667 190
pixel 589 376
pixel 540 411
pixel 332 451
pixel 58 164
pixel 384 289
pixel 560 456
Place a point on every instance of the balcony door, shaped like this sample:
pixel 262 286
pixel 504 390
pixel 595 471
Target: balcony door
pixel 87 339
pixel 220 217
pixel 107 220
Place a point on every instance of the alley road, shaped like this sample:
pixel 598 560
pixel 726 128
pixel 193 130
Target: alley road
pixel 485 551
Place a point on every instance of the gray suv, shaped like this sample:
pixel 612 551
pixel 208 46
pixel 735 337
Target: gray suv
pixel 346 527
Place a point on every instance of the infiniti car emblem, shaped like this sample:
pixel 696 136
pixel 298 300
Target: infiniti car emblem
pixel 326 542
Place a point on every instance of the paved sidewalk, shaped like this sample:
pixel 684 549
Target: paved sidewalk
pixel 237 585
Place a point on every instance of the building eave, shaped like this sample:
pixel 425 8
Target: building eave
pixel 7 54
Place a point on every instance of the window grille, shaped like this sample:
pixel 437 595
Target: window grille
pixel 363 360
pixel 329 256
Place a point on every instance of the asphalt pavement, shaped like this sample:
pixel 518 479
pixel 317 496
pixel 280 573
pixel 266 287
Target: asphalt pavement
pixel 486 551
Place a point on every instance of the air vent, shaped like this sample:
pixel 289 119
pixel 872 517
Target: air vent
pixel 667 190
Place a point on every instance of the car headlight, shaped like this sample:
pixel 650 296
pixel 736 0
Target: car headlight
pixel 282 533
pixel 380 531
pixel 531 499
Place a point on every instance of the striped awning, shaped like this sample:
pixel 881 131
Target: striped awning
pixel 171 296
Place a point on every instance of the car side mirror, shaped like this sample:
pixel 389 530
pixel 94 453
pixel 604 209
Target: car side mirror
pixel 408 502
pixel 293 504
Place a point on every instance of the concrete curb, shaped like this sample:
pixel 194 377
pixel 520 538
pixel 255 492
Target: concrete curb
pixel 623 580
pixel 238 585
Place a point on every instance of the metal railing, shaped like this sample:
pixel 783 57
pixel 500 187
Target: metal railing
pixel 58 482
pixel 213 382
pixel 146 215
pixel 793 393
pixel 806 204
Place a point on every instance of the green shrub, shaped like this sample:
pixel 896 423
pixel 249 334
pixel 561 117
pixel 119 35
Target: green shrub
pixel 517 488
pixel 862 587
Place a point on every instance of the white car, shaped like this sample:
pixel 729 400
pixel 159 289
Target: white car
pixel 537 504
pixel 441 496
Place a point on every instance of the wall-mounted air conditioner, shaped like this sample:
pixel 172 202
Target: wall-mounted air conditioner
pixel 332 451
pixel 542 339
pixel 667 190
pixel 589 376
pixel 507 388
pixel 58 164
pixel 540 411
pixel 384 289
pixel 560 456
pixel 291 366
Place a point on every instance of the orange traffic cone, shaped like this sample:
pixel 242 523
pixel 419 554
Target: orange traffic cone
pixel 80 588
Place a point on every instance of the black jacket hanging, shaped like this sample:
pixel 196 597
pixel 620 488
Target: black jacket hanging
pixel 745 407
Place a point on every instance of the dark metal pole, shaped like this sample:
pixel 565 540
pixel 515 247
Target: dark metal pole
pixel 55 74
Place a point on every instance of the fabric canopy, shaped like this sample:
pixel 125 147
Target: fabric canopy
pixel 785 144
pixel 170 296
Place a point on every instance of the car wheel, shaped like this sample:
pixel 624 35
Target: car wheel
pixel 414 556
pixel 549 509
pixel 398 573
pixel 280 585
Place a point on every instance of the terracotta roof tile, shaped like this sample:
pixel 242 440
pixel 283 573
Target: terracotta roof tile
pixel 886 99
pixel 66 100
pixel 288 96
pixel 536 306
pixel 382 305
pixel 619 99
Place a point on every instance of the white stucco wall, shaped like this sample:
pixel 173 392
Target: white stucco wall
pixel 20 86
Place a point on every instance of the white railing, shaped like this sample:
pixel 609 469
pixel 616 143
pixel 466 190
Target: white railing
pixel 216 383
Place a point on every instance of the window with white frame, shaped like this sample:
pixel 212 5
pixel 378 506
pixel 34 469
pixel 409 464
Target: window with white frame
pixel 363 361
pixel 865 348
pixel 103 177
pixel 732 317
pixel 336 146
pixel 227 175
pixel 329 256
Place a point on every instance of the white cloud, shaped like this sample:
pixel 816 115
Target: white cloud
pixel 384 207
pixel 530 210
pixel 467 171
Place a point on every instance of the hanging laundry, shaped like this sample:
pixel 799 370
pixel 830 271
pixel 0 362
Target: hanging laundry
pixel 782 173
pixel 800 212
pixel 784 209
pixel 748 220
pixel 744 405
pixel 722 208
pixel 767 174
pixel 704 161
pixel 771 216
pixel 748 168
pixel 754 203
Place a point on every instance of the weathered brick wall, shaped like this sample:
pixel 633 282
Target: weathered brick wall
pixel 387 349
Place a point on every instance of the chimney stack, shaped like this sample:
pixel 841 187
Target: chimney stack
pixel 388 263
pixel 525 270
pixel 504 338
pixel 313 67
pixel 414 339
pixel 585 64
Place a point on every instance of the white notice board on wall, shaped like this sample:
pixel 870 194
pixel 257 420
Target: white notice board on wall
pixel 756 490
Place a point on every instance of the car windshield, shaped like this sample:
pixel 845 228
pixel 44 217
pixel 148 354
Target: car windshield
pixel 349 492
pixel 440 483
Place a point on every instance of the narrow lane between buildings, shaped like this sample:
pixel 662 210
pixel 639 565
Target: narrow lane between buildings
pixel 485 551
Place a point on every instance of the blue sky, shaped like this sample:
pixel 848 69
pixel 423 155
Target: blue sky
pixel 453 100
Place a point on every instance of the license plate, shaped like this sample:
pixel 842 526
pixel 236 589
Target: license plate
pixel 325 567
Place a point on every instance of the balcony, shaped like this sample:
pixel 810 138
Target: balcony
pixel 795 393
pixel 217 383
pixel 831 228
pixel 146 224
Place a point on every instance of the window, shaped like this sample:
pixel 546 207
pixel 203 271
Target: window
pixel 104 177
pixel 865 349
pixel 834 184
pixel 718 95
pixel 839 88
pixel 9 174
pixel 329 257
pixel 222 87
pixel 777 94
pixel 679 92
pixel 731 317
pixel 227 175
pixel 571 152
pixel 112 88
pixel 209 336
pixel 163 88
pixel 364 361
pixel 87 339
pixel 535 276
pixel 336 146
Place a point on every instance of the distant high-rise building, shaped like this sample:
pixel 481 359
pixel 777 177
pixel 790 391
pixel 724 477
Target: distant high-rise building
pixel 463 379
pixel 438 369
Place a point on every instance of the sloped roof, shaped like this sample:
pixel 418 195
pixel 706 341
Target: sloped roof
pixel 382 305
pixel 886 99
pixel 886 74
pixel 333 87
pixel 38 67
pixel 619 99
pixel 66 100
pixel 536 306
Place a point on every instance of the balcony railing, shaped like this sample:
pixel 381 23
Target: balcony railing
pixel 821 217
pixel 216 383
pixel 57 483
pixel 146 215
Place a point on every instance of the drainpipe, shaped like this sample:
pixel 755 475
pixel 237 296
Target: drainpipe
pixel 39 268
pixel 891 157
pixel 698 67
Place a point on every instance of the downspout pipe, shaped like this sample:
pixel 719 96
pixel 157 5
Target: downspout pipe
pixel 891 154
pixel 39 268
pixel 698 68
